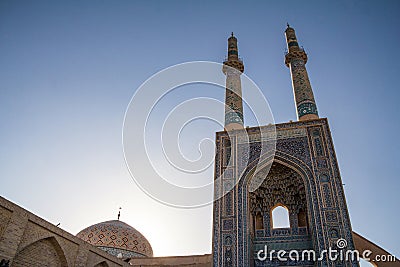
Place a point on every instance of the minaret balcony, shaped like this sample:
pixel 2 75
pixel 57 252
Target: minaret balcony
pixel 295 54
pixel 233 63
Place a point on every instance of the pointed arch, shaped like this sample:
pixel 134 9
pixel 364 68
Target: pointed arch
pixel 264 162
pixel 280 216
pixel 290 162
pixel 47 251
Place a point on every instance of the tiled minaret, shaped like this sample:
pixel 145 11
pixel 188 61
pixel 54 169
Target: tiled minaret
pixel 296 60
pixel 233 94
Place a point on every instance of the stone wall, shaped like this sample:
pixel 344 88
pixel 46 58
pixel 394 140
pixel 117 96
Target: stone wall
pixel 181 261
pixel 29 241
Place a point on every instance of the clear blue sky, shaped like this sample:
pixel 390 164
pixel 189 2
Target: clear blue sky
pixel 69 68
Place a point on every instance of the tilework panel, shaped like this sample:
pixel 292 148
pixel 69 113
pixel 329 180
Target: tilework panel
pixel 116 234
pixel 305 148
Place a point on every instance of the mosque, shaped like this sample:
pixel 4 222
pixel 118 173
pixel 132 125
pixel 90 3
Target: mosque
pixel 295 169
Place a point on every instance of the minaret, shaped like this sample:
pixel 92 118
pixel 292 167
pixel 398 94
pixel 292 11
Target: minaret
pixel 296 60
pixel 233 92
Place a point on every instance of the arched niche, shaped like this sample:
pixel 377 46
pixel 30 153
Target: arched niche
pixel 44 252
pixel 281 190
pixel 251 178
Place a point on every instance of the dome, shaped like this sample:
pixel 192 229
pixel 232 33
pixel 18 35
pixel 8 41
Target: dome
pixel 117 238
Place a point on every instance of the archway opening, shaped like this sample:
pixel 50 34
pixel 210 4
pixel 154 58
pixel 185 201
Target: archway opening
pixel 280 217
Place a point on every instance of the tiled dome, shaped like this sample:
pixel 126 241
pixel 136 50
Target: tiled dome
pixel 118 239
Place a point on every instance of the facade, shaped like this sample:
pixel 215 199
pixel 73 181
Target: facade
pixel 291 165
pixel 301 174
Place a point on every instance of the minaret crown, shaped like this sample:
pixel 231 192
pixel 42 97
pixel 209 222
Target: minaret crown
pixel 294 51
pixel 233 59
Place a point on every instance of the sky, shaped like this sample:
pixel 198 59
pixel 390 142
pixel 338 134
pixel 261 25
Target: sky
pixel 68 70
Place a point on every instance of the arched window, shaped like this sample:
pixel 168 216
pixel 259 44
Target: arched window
pixel 280 217
pixel 259 221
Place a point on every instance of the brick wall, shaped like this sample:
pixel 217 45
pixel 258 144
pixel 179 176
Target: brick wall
pixel 27 240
